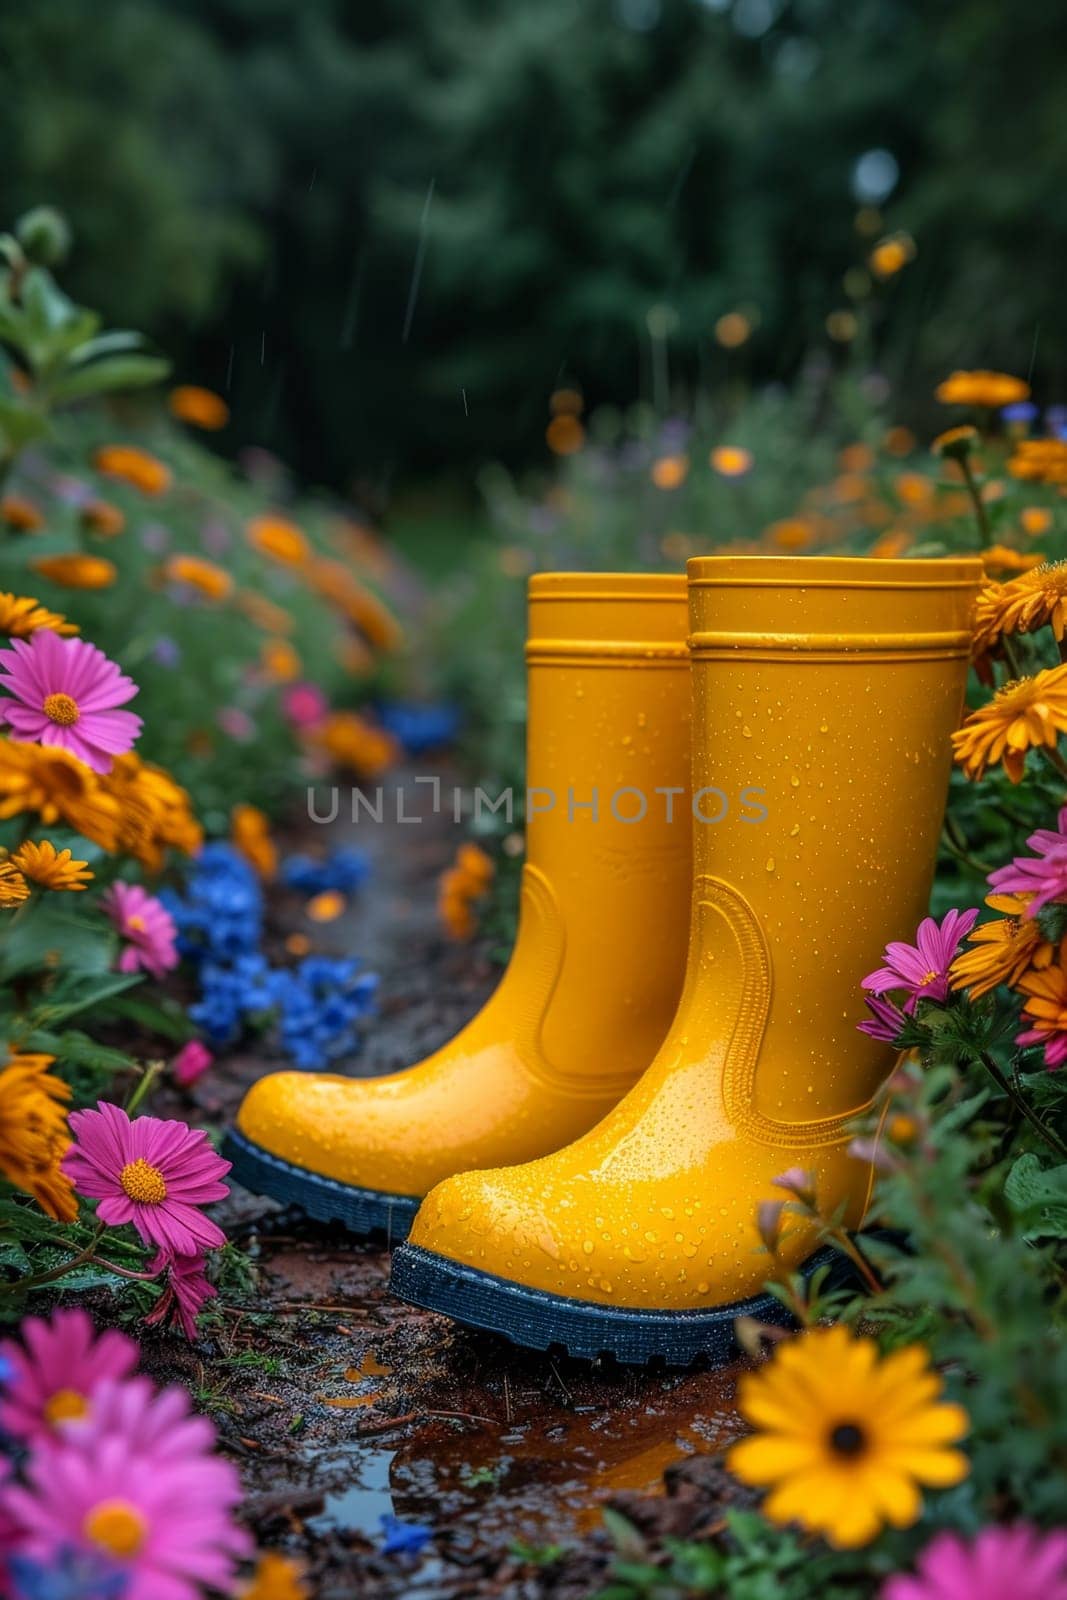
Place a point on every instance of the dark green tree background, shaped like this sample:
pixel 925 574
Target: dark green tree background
pixel 386 229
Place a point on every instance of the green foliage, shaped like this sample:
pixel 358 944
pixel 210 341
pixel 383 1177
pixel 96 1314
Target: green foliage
pixel 563 178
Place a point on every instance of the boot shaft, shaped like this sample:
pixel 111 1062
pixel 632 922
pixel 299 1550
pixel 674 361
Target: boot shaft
pixel 830 687
pixel 608 727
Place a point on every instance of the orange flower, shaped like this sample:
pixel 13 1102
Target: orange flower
pixel 360 605
pixel 991 389
pixel 133 465
pixel 1046 1007
pixel 20 513
pixel 50 868
pixel 460 886
pixel 263 612
pixel 1037 598
pixel 792 533
pixel 280 539
pixel 900 441
pixel 327 906
pixel 670 472
pixel 857 457
pixel 731 460
pixel 280 660
pixel 204 576
pixel 913 489
pixel 34 1134
pixel 1002 950
pixel 732 330
pixel 250 835
pixel 13 886
pixel 891 254
pixel 59 788
pixel 200 407
pixel 1040 460
pixel 77 571
pixel 564 435
pixel 890 545
pixel 1002 558
pixel 955 442
pixel 354 742
pixel 102 518
pixel 1035 520
pixel 1028 714
pixel 155 813
pixel 21 615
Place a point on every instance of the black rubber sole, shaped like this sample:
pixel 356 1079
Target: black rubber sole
pixel 544 1321
pixel 365 1212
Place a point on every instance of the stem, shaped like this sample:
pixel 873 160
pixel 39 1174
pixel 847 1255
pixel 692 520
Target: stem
pixel 39 1279
pixel 1021 1105
pixel 852 1250
pixel 980 513
pixel 123 1272
pixel 149 1075
pixel 956 846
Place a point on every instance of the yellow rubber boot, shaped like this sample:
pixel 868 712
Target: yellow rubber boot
pixel 599 959
pixel 832 685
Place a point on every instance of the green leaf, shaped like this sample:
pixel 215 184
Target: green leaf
pixel 113 372
pixel 107 344
pixel 21 423
pixel 1038 1198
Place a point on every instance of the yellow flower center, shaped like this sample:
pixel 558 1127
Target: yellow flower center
pixel 927 977
pixel 848 1440
pixel 143 1182
pixel 66 1405
pixel 62 709
pixel 116 1527
pixel 136 923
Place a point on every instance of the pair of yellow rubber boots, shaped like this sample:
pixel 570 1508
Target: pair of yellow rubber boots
pixel 735 791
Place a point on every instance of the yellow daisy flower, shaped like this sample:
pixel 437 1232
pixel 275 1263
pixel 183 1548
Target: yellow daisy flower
pixel 280 539
pixel 731 460
pixel 992 389
pixel 155 813
pixel 13 886
pixel 998 558
pixel 34 1133
pixel 1040 460
pixel 134 466
pixel 1027 603
pixel 76 571
pixel 250 834
pixel 1024 715
pixel 202 408
pixel 1001 951
pixel 204 576
pixel 50 868
pixel 21 615
pixel 847 1436
pixel 954 442
pixel 354 742
pixel 670 472
pixel 275 1578
pixel 1035 520
pixel 103 519
pixel 20 514
pixel 59 788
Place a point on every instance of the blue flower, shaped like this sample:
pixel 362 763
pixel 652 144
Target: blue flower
pixel 343 870
pixel 1019 411
pixel 404 1538
pixel 420 728
pixel 68 1576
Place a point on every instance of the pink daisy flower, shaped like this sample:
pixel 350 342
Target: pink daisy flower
pixel 56 1373
pixel 66 692
pixel 921 969
pixel 1042 876
pixel 185 1295
pixel 148 926
pixel 147 1419
pixel 1019 1562
pixel 153 1173
pixel 164 1519
pixel 191 1062
pixel 885 1021
pixel 304 704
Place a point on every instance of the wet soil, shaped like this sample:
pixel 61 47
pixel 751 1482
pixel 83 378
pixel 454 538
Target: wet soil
pixel 341 1405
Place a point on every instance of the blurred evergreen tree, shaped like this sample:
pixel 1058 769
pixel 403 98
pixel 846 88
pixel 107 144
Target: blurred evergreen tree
pixel 391 227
